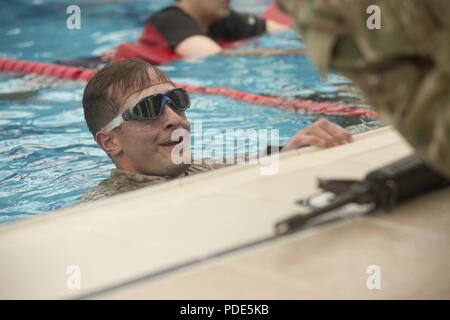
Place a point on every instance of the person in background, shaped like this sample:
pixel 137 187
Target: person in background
pixel 132 109
pixel 194 28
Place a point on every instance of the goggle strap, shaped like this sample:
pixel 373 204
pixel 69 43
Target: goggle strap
pixel 117 121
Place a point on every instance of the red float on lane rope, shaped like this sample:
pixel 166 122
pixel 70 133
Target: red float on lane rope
pixel 307 106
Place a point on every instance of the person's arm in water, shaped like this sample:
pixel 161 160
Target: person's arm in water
pixel 322 133
pixel 273 26
pixel 201 46
pixel 197 46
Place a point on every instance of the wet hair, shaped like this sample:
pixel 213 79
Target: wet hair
pixel 106 92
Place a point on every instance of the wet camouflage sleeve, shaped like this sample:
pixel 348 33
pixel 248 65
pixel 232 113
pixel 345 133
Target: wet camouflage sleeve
pixel 403 68
pixel 122 181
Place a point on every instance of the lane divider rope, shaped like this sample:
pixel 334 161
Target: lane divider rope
pixel 83 74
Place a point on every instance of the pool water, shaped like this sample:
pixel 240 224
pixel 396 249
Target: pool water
pixel 48 158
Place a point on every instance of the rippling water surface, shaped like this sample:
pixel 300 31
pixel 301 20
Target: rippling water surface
pixel 48 158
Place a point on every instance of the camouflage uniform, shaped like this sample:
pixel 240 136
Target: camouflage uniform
pixel 123 181
pixel 403 68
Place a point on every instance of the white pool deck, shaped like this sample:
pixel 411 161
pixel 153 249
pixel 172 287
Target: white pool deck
pixel 167 241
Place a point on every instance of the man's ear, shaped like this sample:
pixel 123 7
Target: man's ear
pixel 108 142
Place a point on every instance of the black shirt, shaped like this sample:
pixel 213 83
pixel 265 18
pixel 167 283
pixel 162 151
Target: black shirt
pixel 175 25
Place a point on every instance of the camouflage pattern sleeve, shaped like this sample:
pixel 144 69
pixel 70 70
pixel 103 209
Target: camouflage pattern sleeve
pixel 119 182
pixel 122 181
pixel 403 68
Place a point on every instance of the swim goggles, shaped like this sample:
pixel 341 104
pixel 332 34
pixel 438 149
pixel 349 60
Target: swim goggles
pixel 151 107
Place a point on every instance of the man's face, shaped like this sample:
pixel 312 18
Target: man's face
pixel 146 145
pixel 215 9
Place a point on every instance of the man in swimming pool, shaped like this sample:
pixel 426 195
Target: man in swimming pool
pixel 195 28
pixel 141 150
